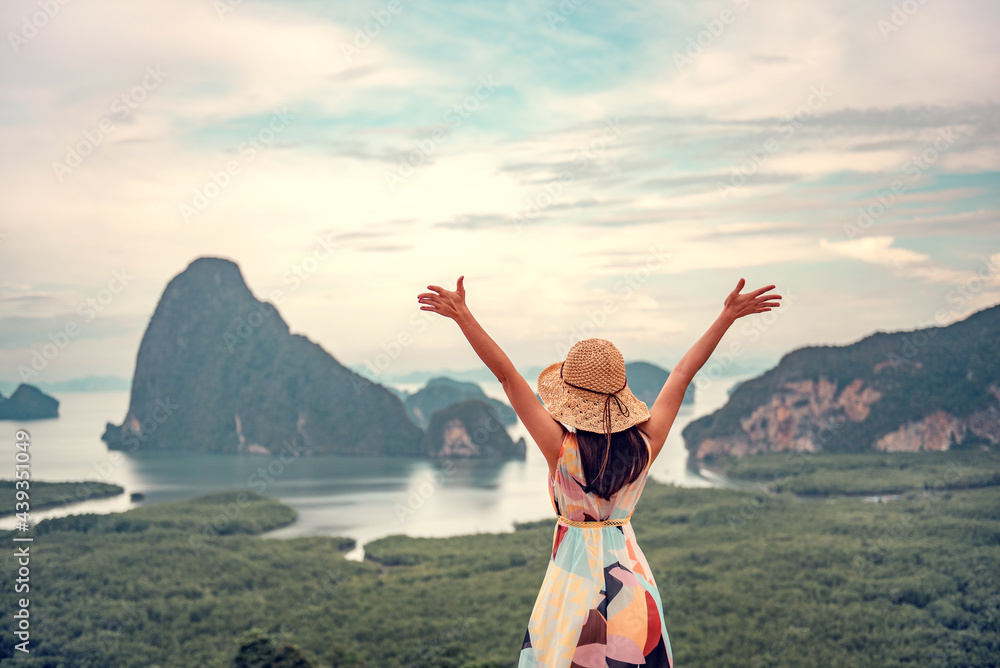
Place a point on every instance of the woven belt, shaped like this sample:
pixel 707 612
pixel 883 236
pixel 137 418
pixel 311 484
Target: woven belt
pixel 593 525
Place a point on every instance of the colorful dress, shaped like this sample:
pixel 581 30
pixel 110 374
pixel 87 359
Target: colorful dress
pixel 598 606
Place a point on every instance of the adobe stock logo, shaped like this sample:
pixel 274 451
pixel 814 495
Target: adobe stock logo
pixel 451 120
pixel 37 21
pixel 917 165
pixel 121 108
pixel 363 35
pixel 696 44
pixel 88 310
pixel 218 180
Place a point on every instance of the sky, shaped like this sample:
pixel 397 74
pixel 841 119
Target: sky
pixel 591 168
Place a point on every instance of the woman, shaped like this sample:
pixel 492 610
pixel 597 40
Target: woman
pixel 598 602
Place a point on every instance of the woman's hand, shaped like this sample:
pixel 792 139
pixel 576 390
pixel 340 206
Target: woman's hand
pixel 543 428
pixel 445 302
pixel 668 402
pixel 737 305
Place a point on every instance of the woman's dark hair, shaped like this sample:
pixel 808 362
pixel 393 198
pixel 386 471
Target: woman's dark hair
pixel 627 458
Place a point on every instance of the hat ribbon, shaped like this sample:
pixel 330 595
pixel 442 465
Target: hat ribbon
pixel 622 409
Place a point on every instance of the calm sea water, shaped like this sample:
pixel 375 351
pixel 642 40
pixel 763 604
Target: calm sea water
pixel 360 497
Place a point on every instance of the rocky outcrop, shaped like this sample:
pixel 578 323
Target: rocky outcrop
pixel 470 429
pixel 442 392
pixel 935 432
pixel 943 431
pixel 28 403
pixel 219 371
pixel 931 389
pixel 795 418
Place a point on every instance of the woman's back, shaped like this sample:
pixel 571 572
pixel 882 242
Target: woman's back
pixel 598 600
pixel 567 488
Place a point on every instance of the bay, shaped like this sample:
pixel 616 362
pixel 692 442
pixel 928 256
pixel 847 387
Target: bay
pixel 363 498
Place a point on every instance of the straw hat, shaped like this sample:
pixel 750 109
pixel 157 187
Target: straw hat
pixel 589 389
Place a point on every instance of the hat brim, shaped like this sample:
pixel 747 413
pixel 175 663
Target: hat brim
pixel 585 410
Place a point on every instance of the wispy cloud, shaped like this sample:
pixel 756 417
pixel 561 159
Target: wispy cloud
pixel 881 250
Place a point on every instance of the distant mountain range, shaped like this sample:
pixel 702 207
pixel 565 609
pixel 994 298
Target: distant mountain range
pixel 931 389
pixel 86 384
pixel 476 375
pixel 483 374
pixel 644 378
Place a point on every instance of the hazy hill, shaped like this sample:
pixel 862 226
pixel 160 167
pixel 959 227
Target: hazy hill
pixel 442 392
pixel 932 389
pixel 646 380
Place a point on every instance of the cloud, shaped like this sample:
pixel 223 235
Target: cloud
pixel 386 248
pixel 23 333
pixel 475 221
pixel 762 228
pixel 879 250
pixel 979 223
pixel 656 182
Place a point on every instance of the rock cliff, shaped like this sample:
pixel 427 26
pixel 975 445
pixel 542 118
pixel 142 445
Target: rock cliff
pixel 219 371
pixel 931 389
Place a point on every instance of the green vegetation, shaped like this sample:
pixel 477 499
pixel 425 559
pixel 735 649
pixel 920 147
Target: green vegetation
pixel 747 578
pixel 257 650
pixel 50 494
pixel 218 514
pixel 823 473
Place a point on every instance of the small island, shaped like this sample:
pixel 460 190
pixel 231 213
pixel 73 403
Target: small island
pixel 53 494
pixel 470 428
pixel 28 403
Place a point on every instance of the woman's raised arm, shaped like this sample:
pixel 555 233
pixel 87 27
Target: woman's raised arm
pixel 544 429
pixel 668 402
